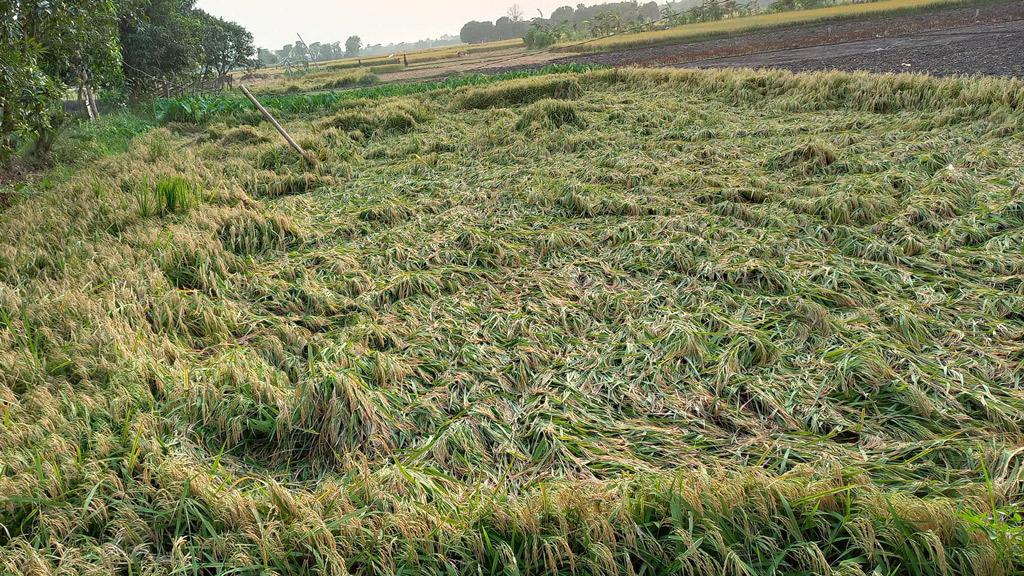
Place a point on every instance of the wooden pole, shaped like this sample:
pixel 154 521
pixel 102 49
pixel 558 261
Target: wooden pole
pixel 273 121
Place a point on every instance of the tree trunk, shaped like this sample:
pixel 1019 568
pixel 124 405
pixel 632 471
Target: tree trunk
pixel 90 98
pixel 92 103
pixel 84 97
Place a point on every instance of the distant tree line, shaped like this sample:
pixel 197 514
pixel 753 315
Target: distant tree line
pixel 353 47
pixel 511 25
pixel 314 52
pixel 585 22
pixel 120 47
pixel 580 21
pixel 404 47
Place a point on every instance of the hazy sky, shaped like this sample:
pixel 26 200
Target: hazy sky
pixel 275 22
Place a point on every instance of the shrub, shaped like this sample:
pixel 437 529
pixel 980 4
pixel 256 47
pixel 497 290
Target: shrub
pixel 539 37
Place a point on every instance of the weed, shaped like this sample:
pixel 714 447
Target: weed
pixel 168 195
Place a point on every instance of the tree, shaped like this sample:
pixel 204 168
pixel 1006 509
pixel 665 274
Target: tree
pixel 515 13
pixel 476 32
pixel 562 14
pixel 267 57
pixel 505 29
pixel 44 46
pixel 287 52
pixel 223 45
pixel 352 46
pixel 158 41
pixel 539 36
pixel 171 41
pixel 651 11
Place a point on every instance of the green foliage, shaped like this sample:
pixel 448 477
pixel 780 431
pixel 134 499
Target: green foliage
pixel 223 46
pixel 169 195
pixel 386 68
pixel 45 45
pixel 539 37
pixel 202 109
pixel 171 41
pixel 209 108
pixel 29 99
pixel 347 81
pixel 352 46
pixel 90 141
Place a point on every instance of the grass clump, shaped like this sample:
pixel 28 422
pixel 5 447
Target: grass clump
pixel 243 135
pixel 265 184
pixel 370 123
pixel 809 157
pixel 167 195
pixel 251 234
pixel 549 114
pixel 394 118
pixel 387 68
pixel 518 92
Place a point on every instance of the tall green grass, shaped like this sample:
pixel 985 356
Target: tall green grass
pixel 210 108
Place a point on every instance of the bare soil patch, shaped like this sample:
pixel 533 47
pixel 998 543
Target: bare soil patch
pixel 981 39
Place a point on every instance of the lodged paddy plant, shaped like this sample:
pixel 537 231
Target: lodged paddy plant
pixel 627 322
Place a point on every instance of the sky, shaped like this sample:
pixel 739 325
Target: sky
pixel 274 23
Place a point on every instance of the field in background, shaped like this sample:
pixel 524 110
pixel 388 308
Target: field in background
pixel 912 19
pixel 417 57
pixel 617 322
pixel 690 32
pixel 353 72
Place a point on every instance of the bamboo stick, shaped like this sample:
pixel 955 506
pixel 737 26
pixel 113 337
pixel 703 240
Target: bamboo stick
pixel 276 124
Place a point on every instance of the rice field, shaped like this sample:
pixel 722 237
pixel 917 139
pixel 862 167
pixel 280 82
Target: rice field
pixel 623 322
pixel 417 57
pixel 701 30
